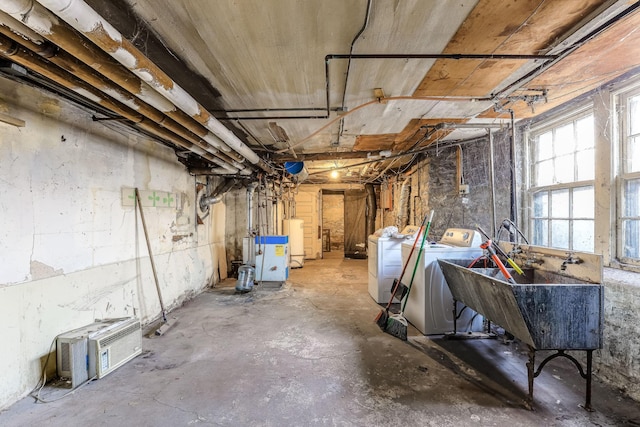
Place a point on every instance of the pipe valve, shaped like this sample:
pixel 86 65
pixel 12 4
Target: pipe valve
pixel 570 259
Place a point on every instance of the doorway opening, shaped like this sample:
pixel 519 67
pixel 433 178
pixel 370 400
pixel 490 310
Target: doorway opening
pixel 344 222
pixel 332 222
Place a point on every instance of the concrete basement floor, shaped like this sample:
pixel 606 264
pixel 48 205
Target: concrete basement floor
pixel 311 354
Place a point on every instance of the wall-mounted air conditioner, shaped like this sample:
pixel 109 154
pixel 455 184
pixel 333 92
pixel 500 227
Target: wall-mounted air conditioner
pixel 112 347
pixel 78 351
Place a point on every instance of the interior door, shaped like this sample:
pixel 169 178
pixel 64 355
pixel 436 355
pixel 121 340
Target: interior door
pixel 307 208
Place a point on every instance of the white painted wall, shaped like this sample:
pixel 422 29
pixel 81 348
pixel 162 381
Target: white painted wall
pixel 70 252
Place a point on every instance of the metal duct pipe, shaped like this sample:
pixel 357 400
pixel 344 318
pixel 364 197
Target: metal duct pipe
pixel 218 193
pixel 216 171
pixel 514 176
pixel 84 19
pixel 86 74
pixel 211 200
pixel 205 201
pixel 492 183
pixel 30 60
pixel 43 22
pixel 251 188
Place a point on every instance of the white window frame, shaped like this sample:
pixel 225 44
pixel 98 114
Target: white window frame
pixel 551 216
pixel 608 106
pixel 622 97
pixel 576 114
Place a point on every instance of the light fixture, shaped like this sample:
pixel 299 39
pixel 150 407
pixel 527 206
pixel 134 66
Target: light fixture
pixel 334 174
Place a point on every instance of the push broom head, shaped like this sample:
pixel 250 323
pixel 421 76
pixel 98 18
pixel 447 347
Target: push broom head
pixel 381 319
pixel 397 326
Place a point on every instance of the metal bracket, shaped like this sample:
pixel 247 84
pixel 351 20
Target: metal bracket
pixel 470 335
pixel 533 373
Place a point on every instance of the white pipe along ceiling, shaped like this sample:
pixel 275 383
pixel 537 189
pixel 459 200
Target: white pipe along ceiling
pixel 228 164
pixel 341 81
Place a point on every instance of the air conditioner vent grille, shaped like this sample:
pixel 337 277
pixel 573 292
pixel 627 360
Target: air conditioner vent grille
pixel 114 346
pixel 65 357
pixel 104 342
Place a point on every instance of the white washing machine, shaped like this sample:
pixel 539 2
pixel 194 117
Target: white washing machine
pixel 430 304
pixel 385 263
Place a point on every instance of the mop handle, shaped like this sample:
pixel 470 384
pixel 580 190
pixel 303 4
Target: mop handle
pixel 424 237
pixel 404 268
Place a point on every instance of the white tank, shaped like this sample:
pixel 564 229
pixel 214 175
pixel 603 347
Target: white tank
pixel 294 228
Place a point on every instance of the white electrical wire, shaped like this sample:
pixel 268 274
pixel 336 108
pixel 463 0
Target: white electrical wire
pixel 43 379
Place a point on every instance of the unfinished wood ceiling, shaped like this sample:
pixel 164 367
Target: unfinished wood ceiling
pixel 334 81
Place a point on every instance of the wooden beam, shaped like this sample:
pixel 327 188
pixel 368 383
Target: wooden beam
pixel 501 27
pixel 613 53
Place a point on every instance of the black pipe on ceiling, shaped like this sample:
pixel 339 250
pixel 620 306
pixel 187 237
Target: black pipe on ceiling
pixel 328 109
pixel 367 14
pixel 454 56
pixel 549 61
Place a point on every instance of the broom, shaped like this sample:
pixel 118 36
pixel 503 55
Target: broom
pixel 383 315
pixel 397 324
pixel 165 324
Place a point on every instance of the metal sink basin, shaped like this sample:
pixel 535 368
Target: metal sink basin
pixel 544 310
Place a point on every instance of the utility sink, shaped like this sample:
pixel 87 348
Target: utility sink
pixel 557 304
pixel 543 309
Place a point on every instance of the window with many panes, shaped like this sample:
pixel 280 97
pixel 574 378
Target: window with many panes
pixel 629 209
pixel 562 184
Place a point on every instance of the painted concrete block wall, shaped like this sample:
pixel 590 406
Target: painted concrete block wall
pixel 70 251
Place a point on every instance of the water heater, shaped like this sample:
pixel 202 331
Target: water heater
pixel 294 228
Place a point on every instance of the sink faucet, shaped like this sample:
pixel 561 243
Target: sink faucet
pixel 570 259
pixel 532 259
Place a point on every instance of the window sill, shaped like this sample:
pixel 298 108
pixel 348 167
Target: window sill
pixel 615 276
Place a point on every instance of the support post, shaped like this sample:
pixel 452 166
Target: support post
pixel 587 403
pixel 530 376
pixel 455 317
